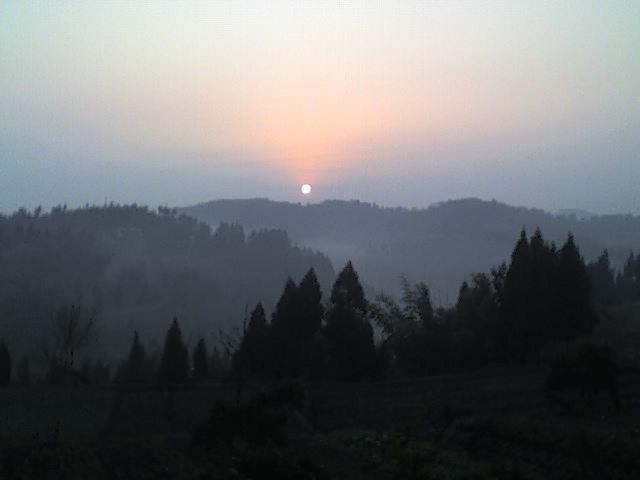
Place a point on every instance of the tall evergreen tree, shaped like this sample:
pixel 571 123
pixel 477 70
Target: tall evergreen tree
pixel 348 332
pixel 477 309
pixel 603 284
pixel 628 283
pixel 309 313
pixel 309 305
pixel 629 269
pixel 543 289
pixel 516 300
pixel 200 362
pixel 284 315
pixel 174 364
pixel 284 326
pixel 5 365
pixel 575 305
pixel 135 369
pixel 253 356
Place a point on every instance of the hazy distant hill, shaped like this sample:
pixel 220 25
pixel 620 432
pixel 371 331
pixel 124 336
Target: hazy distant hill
pixel 441 244
pixel 575 212
pixel 138 268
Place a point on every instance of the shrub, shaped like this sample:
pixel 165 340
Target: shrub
pixel 257 422
pixel 589 369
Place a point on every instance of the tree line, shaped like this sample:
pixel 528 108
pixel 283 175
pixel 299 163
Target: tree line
pixel 129 264
pixel 544 298
pixel 541 300
pixel 452 238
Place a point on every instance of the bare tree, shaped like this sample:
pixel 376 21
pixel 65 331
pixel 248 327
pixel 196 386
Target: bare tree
pixel 72 328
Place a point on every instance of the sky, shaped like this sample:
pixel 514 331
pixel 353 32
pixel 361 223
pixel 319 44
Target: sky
pixel 410 102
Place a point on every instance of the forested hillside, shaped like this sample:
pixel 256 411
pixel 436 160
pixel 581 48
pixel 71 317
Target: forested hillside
pixel 131 268
pixel 442 244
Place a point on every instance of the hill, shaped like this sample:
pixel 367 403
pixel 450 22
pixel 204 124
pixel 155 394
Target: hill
pixel 135 268
pixel 442 244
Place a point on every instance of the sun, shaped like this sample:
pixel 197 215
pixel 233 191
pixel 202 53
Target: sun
pixel 306 189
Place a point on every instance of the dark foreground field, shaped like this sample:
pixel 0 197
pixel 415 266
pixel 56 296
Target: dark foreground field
pixel 489 425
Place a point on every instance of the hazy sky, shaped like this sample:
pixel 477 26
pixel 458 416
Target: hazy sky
pixel 399 102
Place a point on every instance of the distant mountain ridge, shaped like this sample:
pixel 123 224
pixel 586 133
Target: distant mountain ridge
pixel 441 244
pixel 575 212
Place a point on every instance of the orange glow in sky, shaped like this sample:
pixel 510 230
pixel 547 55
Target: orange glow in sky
pixel 317 92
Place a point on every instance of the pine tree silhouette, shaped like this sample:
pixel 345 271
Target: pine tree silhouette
pixel 575 305
pixel 284 324
pixel 200 362
pixel 253 357
pixel 174 364
pixel 603 282
pixel 135 370
pixel 516 300
pixel 309 313
pixel 348 333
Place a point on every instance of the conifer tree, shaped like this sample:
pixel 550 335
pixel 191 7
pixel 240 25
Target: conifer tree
pixel 309 314
pixel 542 292
pixel 135 369
pixel 310 306
pixel 629 269
pixel 628 281
pixel 200 362
pixel 252 357
pixel 516 300
pixel 348 332
pixel 5 365
pixel 283 317
pixel 603 282
pixel 174 364
pixel 575 305
pixel 477 309
pixel 284 324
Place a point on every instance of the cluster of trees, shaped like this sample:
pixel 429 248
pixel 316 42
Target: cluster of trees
pixel 130 264
pixel 174 365
pixel 542 297
pixel 545 296
pixel 71 330
pixel 442 244
pixel 540 300
pixel 613 287
pixel 307 339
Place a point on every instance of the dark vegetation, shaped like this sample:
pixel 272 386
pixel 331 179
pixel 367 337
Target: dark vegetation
pixel 415 385
pixel 441 245
pixel 128 267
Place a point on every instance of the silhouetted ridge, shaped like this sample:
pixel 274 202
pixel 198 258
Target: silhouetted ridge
pixel 441 244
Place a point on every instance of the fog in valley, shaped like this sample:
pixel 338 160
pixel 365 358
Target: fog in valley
pixel 320 240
